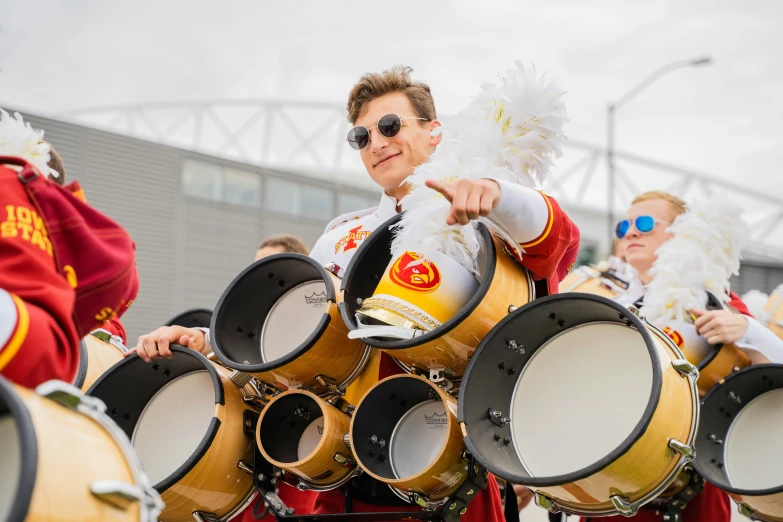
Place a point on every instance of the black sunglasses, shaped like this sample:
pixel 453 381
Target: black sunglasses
pixel 389 126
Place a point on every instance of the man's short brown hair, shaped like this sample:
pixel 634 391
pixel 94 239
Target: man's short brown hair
pixel 676 205
pixel 289 243
pixel 56 163
pixel 396 79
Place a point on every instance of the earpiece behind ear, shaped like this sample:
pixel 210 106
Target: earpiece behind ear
pixel 436 131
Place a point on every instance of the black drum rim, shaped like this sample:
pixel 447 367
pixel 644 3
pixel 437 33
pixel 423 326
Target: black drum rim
pixel 715 303
pixel 698 463
pixel 29 450
pixel 350 320
pixel 206 442
pixel 178 319
pixel 303 348
pixel 81 371
pixel 638 430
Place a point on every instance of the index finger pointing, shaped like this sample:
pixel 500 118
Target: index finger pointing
pixel 443 187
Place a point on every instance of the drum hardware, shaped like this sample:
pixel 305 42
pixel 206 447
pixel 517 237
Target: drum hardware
pixel 107 337
pixel 502 374
pixel 119 494
pixel 503 282
pixel 671 504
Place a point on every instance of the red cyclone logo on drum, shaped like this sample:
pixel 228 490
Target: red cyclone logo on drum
pixel 422 276
pixel 675 336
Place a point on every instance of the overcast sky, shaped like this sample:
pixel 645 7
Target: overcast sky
pixel 725 119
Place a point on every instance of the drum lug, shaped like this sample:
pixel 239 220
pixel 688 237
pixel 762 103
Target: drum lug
pixel 246 467
pixel 685 367
pixel 69 396
pixel 635 311
pixel 683 449
pixel 240 379
pixel 203 516
pixel 746 511
pixel 496 418
pixel 255 401
pixel 623 505
pixel 512 308
pixel 345 461
pixel 545 502
pixel 119 494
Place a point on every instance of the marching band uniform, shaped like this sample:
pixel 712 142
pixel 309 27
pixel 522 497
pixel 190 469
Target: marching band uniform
pixel 38 338
pixel 549 240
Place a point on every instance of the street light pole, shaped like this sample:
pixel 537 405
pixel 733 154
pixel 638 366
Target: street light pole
pixel 611 111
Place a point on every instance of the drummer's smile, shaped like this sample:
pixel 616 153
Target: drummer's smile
pixel 388 159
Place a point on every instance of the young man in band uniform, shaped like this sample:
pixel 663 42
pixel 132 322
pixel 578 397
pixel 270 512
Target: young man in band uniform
pixel 396 129
pixel 717 326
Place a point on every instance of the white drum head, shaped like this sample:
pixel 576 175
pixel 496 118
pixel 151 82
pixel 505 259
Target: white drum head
pixel 754 444
pixel 292 319
pixel 598 377
pixel 11 464
pixel 173 424
pixel 310 438
pixel 418 438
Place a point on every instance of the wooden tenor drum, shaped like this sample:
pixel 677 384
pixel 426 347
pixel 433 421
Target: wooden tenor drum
pixel 189 425
pixel 64 459
pixel 580 361
pixel 607 279
pixel 446 349
pixel 404 432
pixel 739 447
pixel 95 357
pixel 305 435
pixel 278 320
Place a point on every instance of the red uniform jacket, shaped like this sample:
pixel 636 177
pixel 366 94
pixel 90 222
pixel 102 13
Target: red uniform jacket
pixel 549 258
pixel 38 338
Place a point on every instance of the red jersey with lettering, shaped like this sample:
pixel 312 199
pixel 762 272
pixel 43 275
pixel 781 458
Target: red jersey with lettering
pixel 38 338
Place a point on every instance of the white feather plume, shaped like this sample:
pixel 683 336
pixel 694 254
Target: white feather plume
pixel 509 131
pixel 703 254
pixel 19 139
pixel 755 300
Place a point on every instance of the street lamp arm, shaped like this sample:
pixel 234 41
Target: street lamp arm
pixel 652 78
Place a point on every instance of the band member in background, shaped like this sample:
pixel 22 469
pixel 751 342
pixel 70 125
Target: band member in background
pixel 396 129
pixel 48 301
pixel 280 244
pixel 640 235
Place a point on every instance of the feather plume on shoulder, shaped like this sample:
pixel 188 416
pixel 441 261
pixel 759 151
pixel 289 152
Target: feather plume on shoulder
pixel 509 131
pixel 701 257
pixel 19 139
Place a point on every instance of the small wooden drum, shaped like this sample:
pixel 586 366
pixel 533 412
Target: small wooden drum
pixel 195 318
pixel 596 280
pixel 63 458
pixel 739 447
pixel 191 429
pixel 772 316
pixel 95 357
pixel 404 432
pixel 278 320
pixel 305 435
pixel 503 284
pixel 576 397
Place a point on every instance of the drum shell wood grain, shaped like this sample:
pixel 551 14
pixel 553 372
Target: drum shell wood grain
pixel 578 281
pixel 511 285
pixel 100 357
pixel 729 359
pixel 320 463
pixel 333 354
pixel 649 461
pixel 447 472
pixel 73 452
pixel 215 484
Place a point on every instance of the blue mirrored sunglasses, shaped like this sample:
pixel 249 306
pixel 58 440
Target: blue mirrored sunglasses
pixel 644 224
